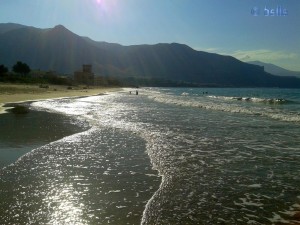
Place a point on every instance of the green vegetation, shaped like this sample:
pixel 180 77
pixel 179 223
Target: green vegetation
pixel 22 73
pixel 21 68
pixel 3 70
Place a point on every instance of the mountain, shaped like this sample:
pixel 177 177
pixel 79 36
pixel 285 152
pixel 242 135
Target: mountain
pixel 48 49
pixel 276 70
pixel 5 27
pixel 63 51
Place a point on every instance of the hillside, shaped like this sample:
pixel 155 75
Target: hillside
pixel 63 51
pixel 276 70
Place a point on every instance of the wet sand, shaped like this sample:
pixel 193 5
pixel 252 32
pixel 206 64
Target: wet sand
pixel 22 133
pixel 25 92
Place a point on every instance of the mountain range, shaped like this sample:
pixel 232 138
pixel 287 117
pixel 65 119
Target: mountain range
pixel 276 70
pixel 61 50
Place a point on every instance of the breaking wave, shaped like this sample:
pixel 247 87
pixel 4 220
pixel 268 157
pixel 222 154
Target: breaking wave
pixel 230 104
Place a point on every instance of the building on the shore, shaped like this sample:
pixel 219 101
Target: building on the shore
pixel 86 76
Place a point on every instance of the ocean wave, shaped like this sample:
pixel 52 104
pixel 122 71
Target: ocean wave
pixel 224 105
pixel 254 99
pixel 195 168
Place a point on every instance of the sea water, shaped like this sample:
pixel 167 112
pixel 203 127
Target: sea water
pixel 165 156
pixel 22 132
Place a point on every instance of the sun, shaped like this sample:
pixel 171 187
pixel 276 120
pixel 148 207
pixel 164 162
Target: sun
pixel 103 8
pixel 101 3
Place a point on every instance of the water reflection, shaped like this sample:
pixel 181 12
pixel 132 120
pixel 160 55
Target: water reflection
pixel 101 176
pixel 64 206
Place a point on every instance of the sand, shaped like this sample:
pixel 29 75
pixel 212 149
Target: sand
pixel 11 93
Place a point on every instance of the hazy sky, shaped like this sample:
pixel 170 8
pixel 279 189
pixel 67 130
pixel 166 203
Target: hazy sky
pixel 221 26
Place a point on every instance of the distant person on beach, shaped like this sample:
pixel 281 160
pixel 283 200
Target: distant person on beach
pixel 136 92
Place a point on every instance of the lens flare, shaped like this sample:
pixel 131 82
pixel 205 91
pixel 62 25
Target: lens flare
pixel 103 5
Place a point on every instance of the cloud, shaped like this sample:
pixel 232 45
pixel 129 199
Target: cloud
pixel 264 55
pixel 212 50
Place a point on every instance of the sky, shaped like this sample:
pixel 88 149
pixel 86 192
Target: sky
pixel 264 30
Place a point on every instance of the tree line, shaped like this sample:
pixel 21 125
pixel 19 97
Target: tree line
pixel 21 73
pixel 19 68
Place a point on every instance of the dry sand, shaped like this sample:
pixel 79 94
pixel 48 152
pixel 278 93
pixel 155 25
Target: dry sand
pixel 26 92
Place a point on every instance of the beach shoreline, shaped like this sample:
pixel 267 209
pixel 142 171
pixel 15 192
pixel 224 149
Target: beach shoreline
pixel 13 145
pixel 17 93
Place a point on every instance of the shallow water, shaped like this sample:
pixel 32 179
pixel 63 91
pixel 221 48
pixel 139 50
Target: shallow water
pixel 166 156
pixel 82 179
pixel 20 133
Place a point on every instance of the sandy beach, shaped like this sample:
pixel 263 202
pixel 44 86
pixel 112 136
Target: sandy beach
pixel 25 92
pixel 105 158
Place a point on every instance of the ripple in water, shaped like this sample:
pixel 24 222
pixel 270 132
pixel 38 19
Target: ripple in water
pixel 97 177
pixel 217 167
